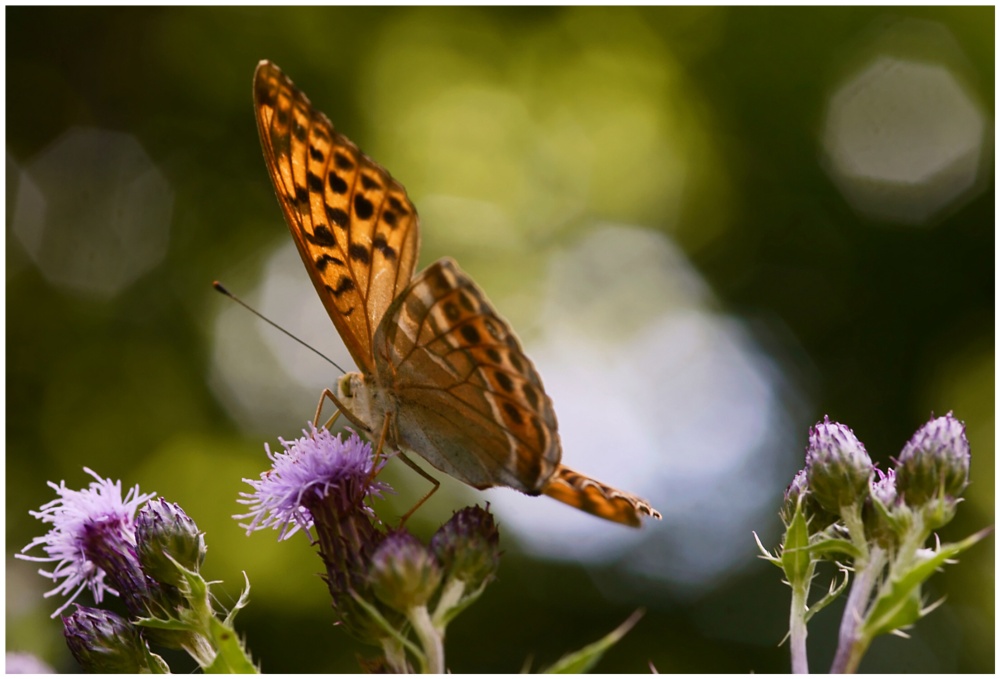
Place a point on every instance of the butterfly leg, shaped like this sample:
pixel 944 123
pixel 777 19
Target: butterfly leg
pixel 327 394
pixel 378 449
pixel 381 441
pixel 437 484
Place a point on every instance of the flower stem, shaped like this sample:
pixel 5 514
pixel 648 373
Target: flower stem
pixel 430 637
pixel 797 629
pixel 851 645
pixel 395 655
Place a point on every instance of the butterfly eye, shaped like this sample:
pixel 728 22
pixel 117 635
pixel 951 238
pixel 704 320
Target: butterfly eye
pixel 344 386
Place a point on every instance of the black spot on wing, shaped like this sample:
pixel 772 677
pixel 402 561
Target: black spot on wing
pixel 345 284
pixel 379 243
pixel 337 216
pixel 318 129
pixel 322 237
pixel 359 252
pixel 513 413
pixel 396 205
pixel 470 334
pixel 504 381
pixel 515 361
pixel 530 395
pixel 343 161
pixel 337 183
pixel 466 302
pixel 363 207
pixel 325 260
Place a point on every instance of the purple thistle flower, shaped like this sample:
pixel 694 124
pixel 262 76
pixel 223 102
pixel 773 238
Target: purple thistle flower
pixel 320 484
pixel 81 520
pixel 311 468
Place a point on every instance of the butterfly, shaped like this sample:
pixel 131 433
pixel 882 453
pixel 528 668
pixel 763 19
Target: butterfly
pixel 441 374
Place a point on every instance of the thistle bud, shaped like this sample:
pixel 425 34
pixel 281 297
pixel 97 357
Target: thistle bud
pixel 403 572
pixel 934 463
pixel 796 489
pixel 468 547
pixel 162 529
pixel 102 641
pixel 838 467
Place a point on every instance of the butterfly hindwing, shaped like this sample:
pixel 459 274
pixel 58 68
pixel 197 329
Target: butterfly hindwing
pixel 594 497
pixel 355 227
pixel 465 390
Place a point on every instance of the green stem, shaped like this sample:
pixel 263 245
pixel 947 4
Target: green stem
pixel 395 655
pixel 851 644
pixel 430 637
pixel 851 514
pixel 797 628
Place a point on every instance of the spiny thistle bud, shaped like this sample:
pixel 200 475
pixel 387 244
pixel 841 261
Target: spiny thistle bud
pixel 162 528
pixel 403 572
pixel 798 492
pixel 838 467
pixel 102 641
pixel 796 489
pixel 468 547
pixel 934 463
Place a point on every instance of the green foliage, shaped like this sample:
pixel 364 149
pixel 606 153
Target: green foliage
pixel 585 659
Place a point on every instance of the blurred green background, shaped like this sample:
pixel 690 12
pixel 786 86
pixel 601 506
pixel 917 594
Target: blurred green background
pixel 815 183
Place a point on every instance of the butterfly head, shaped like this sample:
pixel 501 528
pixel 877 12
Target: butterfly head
pixel 357 402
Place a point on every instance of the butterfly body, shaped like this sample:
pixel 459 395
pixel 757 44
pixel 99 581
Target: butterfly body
pixel 442 375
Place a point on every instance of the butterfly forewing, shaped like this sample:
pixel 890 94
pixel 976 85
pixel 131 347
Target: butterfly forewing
pixel 355 227
pixel 461 378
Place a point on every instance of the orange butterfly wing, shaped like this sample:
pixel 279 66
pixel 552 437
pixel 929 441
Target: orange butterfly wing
pixel 355 227
pixel 594 497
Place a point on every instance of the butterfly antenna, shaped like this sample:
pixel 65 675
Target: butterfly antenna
pixel 221 288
